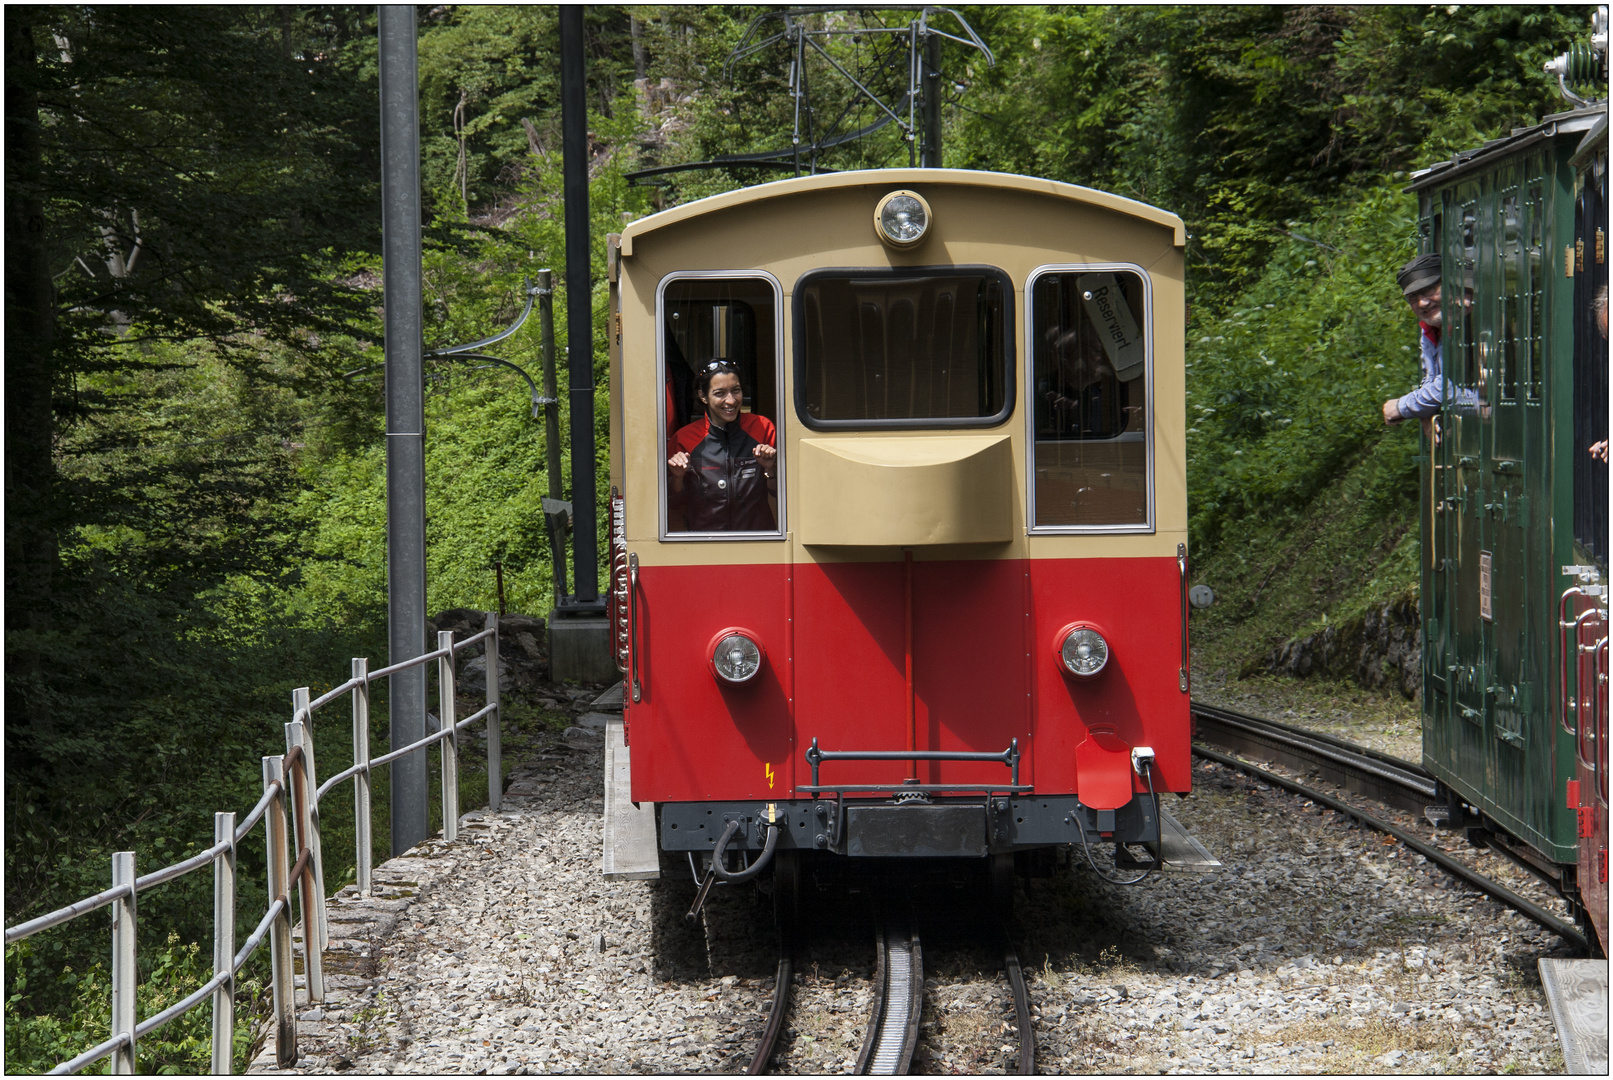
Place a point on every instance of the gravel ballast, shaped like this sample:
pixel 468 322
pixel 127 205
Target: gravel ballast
pixel 1319 948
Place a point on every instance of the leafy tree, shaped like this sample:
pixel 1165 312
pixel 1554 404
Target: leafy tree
pixel 490 98
pixel 1242 118
pixel 174 274
pixel 154 201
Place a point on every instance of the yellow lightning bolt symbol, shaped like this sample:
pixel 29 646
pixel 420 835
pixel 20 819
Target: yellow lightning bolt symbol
pixel 769 767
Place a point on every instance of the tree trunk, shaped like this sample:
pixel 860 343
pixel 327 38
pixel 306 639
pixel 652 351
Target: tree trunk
pixel 636 29
pixel 31 545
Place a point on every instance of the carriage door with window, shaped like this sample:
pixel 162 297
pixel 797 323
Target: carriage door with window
pixel 1466 558
pixel 1511 277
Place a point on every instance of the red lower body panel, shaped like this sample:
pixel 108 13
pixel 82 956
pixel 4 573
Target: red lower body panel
pixel 1137 700
pixel 983 653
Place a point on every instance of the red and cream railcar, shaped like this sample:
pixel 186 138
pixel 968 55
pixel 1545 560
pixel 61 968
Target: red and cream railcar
pixel 965 632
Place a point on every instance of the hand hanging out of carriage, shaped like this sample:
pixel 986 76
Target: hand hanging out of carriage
pixel 1420 283
pixel 724 465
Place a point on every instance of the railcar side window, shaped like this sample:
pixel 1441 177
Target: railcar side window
pixel 1090 415
pixel 720 367
pixel 1462 303
pixel 1513 332
pixel 1537 356
pixel 929 347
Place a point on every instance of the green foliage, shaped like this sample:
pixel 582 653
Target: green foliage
pixel 218 495
pixel 485 452
pixel 1351 547
pixel 216 475
pixel 178 202
pixel 1241 118
pixel 746 107
pixel 35 1044
pixel 1303 504
pixel 1284 388
pixel 497 69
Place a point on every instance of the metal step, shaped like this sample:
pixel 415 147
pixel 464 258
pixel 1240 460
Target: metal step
pixel 610 700
pixel 631 853
pixel 1180 851
pixel 1577 991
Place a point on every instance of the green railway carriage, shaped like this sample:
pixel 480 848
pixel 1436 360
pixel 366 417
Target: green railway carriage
pixel 1514 507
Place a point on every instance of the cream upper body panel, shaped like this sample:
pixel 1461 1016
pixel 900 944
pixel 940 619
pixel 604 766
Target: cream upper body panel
pixel 887 179
pixel 1010 223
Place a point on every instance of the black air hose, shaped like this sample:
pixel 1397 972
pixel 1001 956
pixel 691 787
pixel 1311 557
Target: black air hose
pixel 755 868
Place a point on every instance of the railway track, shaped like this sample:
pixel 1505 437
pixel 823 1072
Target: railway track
pixel 898 1004
pixel 1361 771
pixel 893 1032
pixel 1383 777
pixel 782 978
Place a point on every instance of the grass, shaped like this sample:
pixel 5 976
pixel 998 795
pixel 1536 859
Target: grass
pixel 1292 574
pixel 1355 1044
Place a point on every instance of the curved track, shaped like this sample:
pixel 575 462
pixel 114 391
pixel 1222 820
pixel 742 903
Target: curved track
pixel 775 1015
pixel 898 1005
pixel 1388 779
pixel 1022 1009
pixel 1301 749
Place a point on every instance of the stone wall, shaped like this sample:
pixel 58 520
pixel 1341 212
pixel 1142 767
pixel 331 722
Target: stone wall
pixel 523 659
pixel 1382 650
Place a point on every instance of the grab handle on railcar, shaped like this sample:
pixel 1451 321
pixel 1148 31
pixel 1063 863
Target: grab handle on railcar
pixel 1566 703
pixel 1181 567
pixel 1581 695
pixel 635 662
pixel 1594 618
pixel 1599 718
pixel 816 757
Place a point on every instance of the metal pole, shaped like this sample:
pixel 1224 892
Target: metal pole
pixel 450 742
pixel 283 989
pixel 495 736
pixel 912 89
pixel 405 417
pixel 551 435
pixel 123 963
pixel 579 307
pixel 361 782
pixel 224 944
pixel 806 106
pixel 930 73
pixel 797 89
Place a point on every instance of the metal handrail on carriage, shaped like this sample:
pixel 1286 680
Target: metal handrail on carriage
pixel 289 776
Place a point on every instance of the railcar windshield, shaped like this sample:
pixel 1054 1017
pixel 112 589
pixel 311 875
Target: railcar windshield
pixel 923 347
pixel 1090 362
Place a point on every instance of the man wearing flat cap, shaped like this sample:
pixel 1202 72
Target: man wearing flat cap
pixel 1419 282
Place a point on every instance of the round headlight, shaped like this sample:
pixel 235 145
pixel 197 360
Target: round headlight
pixel 902 218
pixel 1084 651
pixel 736 658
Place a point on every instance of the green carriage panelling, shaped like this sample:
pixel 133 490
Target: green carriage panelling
pixel 1497 491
